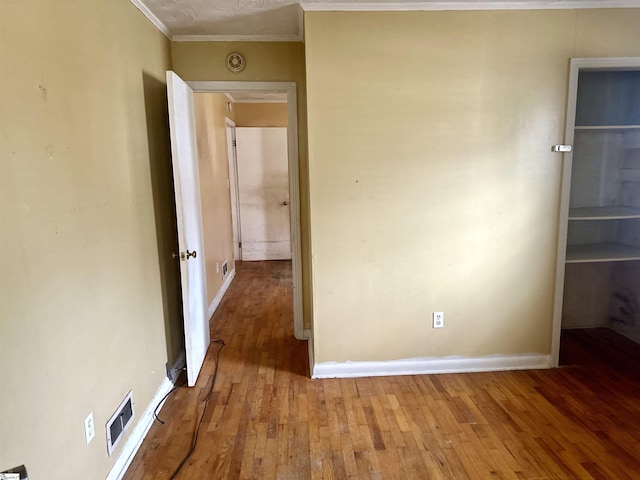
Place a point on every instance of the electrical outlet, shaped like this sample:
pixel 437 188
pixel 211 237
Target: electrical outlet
pixel 438 319
pixel 89 428
pixel 9 476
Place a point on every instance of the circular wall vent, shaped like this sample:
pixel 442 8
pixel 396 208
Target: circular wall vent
pixel 235 62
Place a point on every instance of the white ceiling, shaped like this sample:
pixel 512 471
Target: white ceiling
pixel 281 20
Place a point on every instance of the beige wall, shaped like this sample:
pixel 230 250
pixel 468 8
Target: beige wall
pixel 266 62
pixel 432 183
pixel 84 313
pixel 261 114
pixel 213 162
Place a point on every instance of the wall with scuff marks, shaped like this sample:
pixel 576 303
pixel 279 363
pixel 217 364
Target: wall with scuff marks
pixel 432 184
pixel 89 306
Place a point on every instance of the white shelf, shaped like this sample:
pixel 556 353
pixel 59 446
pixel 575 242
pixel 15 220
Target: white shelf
pixel 603 213
pixel 602 252
pixel 607 128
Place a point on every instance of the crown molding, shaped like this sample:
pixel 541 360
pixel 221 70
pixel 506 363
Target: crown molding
pixel 152 18
pixel 237 38
pixel 468 5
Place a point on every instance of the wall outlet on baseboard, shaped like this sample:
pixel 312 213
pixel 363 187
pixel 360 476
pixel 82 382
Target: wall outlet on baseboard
pixel 225 268
pixel 438 319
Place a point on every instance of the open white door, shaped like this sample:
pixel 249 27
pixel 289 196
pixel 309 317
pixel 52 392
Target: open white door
pixel 189 218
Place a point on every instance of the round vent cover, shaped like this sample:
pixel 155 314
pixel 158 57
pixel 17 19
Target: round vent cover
pixel 235 62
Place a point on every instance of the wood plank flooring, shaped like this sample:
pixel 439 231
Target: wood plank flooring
pixel 268 420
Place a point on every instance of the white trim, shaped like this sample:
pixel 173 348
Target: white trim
pixel 307 334
pixel 152 18
pixel 294 178
pixel 131 446
pixel 236 38
pixel 259 100
pixel 208 86
pixel 218 298
pixel 262 100
pixel 230 128
pixel 576 65
pixel 468 5
pixel 420 366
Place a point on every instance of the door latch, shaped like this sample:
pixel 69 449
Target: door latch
pixel 562 148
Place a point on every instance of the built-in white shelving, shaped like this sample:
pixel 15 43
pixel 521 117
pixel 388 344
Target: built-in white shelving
pixel 601 282
pixel 607 128
pixel 601 252
pixel 603 213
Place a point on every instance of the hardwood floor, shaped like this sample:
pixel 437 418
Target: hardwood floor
pixel 267 419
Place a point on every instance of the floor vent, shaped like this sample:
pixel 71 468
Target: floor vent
pixel 119 422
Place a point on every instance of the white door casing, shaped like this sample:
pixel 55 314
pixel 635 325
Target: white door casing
pixel 576 65
pixel 233 186
pixel 294 180
pixel 263 182
pixel 189 220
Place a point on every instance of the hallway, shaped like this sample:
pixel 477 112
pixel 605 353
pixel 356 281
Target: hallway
pixel 266 419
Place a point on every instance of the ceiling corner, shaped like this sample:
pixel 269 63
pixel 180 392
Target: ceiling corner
pixel 152 18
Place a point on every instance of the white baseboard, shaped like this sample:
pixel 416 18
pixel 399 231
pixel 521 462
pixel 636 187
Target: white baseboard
pixel 419 366
pixel 131 446
pixel 306 334
pixel 218 298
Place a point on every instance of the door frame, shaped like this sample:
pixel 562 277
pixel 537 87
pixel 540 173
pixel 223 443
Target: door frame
pixel 232 158
pixel 576 65
pixel 294 177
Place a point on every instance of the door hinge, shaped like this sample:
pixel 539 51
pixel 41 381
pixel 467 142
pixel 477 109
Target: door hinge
pixel 234 143
pixel 239 244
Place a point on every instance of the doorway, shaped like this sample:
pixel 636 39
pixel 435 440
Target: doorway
pixel 598 264
pixel 288 89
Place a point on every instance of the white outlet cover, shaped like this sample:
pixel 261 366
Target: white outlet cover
pixel 89 428
pixel 438 319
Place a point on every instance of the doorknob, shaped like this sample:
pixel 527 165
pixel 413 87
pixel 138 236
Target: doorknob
pixel 185 256
pixel 285 203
